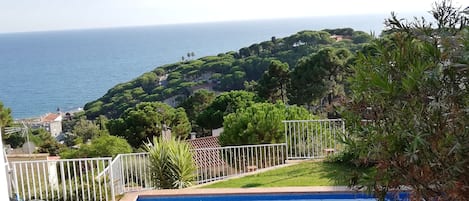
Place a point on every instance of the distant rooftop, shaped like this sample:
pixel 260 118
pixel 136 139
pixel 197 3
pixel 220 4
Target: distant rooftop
pixel 52 117
pixel 204 142
pixel 206 157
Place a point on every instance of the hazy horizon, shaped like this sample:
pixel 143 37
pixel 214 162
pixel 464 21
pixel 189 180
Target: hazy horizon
pixel 54 15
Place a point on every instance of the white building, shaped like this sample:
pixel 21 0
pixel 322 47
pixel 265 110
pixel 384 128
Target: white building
pixel 52 123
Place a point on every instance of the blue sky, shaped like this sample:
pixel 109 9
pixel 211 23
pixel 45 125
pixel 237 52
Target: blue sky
pixel 40 15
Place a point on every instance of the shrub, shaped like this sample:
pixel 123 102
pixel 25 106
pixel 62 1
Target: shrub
pixel 171 163
pixel 103 146
pixel 260 123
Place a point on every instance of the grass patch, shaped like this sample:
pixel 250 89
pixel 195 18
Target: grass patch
pixel 302 174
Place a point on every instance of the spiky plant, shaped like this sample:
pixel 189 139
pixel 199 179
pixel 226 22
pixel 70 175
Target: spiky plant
pixel 171 163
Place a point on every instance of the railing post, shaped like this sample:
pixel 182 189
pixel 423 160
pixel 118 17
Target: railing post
pixel 122 179
pixel 3 175
pixel 111 176
pixel 62 176
pixel 343 126
pixel 286 138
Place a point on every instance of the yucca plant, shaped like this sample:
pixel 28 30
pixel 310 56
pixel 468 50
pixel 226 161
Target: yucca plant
pixel 171 163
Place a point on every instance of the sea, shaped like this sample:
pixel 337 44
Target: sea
pixel 41 72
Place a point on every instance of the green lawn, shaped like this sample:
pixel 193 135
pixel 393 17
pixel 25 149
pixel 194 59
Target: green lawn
pixel 302 174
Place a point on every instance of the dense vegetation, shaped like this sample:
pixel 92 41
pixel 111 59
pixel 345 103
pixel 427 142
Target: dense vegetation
pixel 307 69
pixel 260 123
pixel 229 71
pixel 209 91
pixel 412 89
pixel 149 119
pixel 6 120
pixel 104 145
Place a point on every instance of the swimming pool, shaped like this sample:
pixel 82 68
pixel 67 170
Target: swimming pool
pixel 275 197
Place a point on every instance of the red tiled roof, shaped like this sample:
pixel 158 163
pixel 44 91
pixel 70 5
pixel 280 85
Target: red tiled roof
pixel 50 117
pixel 204 142
pixel 204 156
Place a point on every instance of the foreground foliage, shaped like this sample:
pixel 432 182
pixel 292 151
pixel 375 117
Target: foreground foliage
pixel 171 163
pixel 412 87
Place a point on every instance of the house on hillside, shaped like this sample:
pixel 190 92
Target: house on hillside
pixel 52 122
pixel 337 38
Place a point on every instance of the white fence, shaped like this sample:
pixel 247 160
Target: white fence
pixel 102 179
pixel 131 173
pixel 310 139
pixel 71 179
pixel 223 162
pixel 9 179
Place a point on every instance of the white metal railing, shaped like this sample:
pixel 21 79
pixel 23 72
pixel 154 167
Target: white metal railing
pixel 9 178
pixel 70 179
pixel 223 162
pixel 131 171
pixel 309 139
pixel 102 179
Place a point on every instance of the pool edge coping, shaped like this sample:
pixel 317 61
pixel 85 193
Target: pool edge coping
pixel 217 191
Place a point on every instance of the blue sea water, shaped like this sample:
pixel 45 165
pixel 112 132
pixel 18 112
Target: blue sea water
pixel 43 71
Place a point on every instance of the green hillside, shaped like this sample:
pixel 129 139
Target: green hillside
pixel 172 83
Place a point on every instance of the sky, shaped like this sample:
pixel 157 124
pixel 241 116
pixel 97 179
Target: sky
pixel 42 15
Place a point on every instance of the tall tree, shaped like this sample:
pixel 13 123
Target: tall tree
pixel 6 120
pixel 147 119
pixel 225 103
pixel 197 102
pixel 102 146
pixel 47 143
pixel 259 123
pixel 5 116
pixel 273 84
pixel 317 75
pixel 413 89
pixel 86 130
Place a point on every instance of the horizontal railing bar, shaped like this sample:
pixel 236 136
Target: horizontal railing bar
pixel 134 154
pixel 242 146
pixel 312 120
pixel 61 160
pixel 300 157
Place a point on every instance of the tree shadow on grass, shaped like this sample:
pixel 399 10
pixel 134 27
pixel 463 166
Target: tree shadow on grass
pixel 341 174
pixel 337 173
pixel 290 175
pixel 251 185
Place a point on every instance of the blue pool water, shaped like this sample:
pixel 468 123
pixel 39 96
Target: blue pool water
pixel 276 197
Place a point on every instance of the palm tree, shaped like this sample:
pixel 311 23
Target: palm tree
pixel 5 116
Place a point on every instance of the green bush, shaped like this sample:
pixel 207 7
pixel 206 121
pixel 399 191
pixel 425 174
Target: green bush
pixel 260 123
pixel 171 163
pixel 103 146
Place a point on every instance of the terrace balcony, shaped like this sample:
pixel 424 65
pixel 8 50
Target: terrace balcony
pixel 106 178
